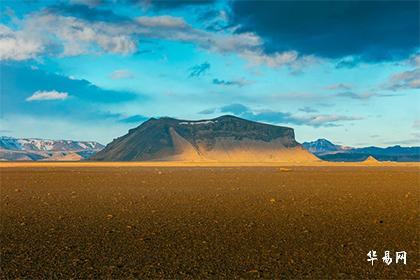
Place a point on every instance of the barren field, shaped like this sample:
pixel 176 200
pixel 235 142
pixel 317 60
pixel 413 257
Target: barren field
pixel 207 222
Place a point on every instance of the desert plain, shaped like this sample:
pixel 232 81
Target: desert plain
pixel 189 221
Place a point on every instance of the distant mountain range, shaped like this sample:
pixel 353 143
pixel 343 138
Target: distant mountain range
pixel 30 149
pixel 328 151
pixel 227 139
pixel 223 139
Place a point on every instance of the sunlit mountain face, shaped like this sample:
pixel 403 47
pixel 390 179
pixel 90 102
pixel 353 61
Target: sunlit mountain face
pixel 347 71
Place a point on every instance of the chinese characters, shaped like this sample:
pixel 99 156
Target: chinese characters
pixel 400 257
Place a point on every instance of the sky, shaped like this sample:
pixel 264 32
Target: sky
pixel 347 71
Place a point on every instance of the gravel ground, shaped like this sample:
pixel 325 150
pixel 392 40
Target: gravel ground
pixel 208 222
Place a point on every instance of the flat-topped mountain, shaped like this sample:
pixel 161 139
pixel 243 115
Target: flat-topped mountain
pixel 223 139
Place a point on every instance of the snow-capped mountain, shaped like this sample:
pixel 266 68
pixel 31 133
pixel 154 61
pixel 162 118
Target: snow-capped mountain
pixel 34 144
pixel 44 149
pixel 322 146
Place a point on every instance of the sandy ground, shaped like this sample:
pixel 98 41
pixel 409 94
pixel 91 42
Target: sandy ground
pixel 62 220
pixel 8 164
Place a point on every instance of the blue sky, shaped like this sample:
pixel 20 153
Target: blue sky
pixel 348 71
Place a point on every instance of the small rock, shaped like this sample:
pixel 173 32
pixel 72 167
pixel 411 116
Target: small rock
pixel 282 169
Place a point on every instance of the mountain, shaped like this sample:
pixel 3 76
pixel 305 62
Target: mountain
pixel 44 149
pixel 223 139
pixel 326 150
pixel 34 144
pixel 321 146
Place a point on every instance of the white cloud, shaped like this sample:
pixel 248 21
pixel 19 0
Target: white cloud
pixel 121 74
pixel 176 29
pixel 18 45
pixel 42 33
pixel 276 60
pixel 162 21
pixel 47 95
pixel 79 37
pixel 319 120
pixel 291 59
pixel 404 80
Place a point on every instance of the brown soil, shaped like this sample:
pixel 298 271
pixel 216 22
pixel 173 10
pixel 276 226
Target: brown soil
pixel 207 222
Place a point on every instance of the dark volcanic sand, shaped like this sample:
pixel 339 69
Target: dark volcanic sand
pixel 203 222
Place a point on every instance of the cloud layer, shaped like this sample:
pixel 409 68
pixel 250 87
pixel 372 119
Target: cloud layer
pixel 404 80
pixel 333 29
pixel 70 30
pixel 277 117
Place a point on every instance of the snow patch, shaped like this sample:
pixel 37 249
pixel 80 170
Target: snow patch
pixel 199 122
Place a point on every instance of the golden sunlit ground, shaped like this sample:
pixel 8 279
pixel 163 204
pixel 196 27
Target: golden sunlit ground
pixel 83 220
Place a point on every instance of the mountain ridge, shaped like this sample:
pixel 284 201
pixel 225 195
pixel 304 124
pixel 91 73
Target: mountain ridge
pixel 34 149
pixel 344 153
